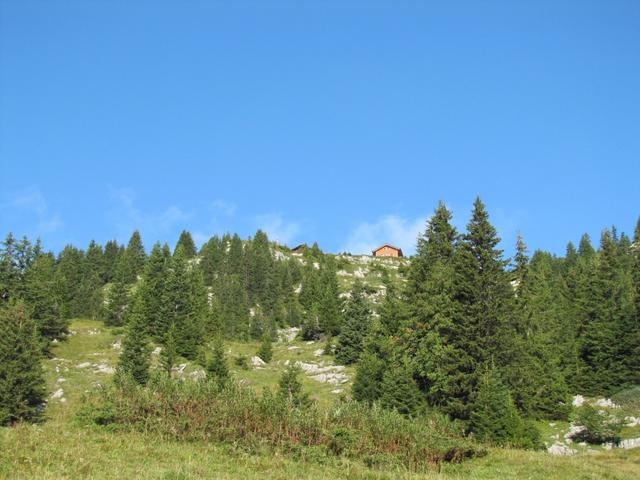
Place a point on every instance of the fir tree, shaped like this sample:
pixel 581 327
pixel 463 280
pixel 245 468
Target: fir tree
pixel 330 317
pixel 399 390
pixel 357 322
pixel 134 361
pixel 184 303
pixel 442 365
pixel 217 368
pixel 68 279
pixel 521 261
pixel 495 418
pixel 9 275
pixel 110 260
pixel 169 354
pixel 41 300
pixel 311 324
pixel 632 347
pixel 545 348
pixel 22 386
pixel 188 245
pixel 483 328
pixel 259 272
pixel 95 262
pixel 155 274
pixel 265 352
pixel 374 361
pixel 290 388
pixel 235 261
pixel 117 298
pixel 134 258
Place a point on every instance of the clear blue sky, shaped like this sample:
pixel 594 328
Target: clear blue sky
pixel 338 121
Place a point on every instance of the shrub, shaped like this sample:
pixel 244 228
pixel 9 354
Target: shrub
pixel 265 352
pixel 241 361
pixel 598 427
pixel 208 411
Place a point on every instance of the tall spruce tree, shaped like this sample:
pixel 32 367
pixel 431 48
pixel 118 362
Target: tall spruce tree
pixel 632 345
pixel 356 326
pixel 22 386
pixel 546 342
pixel 155 274
pixel 42 303
pixel 169 354
pixel 217 367
pixel 117 301
pixel 374 361
pixel 134 360
pixel 483 327
pixel 329 302
pixel 431 333
pixel 399 390
pixel 185 304
pixel 134 258
pixel 9 275
pixel 188 245
pixel 495 418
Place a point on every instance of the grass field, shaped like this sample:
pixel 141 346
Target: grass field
pixel 62 448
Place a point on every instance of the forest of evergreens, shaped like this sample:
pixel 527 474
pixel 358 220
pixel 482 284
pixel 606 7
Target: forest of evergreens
pixel 474 342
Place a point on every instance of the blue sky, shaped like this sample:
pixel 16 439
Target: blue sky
pixel 338 121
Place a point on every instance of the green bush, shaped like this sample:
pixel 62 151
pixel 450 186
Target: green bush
pixel 598 427
pixel 241 362
pixel 236 414
pixel 340 439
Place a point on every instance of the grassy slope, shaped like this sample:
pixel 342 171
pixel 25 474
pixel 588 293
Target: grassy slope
pixel 59 448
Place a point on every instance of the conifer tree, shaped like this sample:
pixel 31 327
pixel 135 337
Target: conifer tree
pixel 399 391
pixel 134 360
pixel 117 300
pixel 235 261
pixel 357 322
pixel 185 304
pixel 330 317
pixel 69 276
pixel 632 347
pixel 495 418
pixel 110 260
pixel 134 258
pixel 310 289
pixel 393 310
pixel 265 352
pixel 259 271
pixel 290 388
pixel 169 354
pixel 521 261
pixel 546 342
pixel 235 309
pixel 155 274
pixel 22 386
pixel 40 297
pixel 367 383
pixel 311 324
pixel 483 327
pixel 436 245
pixel 212 256
pixel 9 275
pixel 95 263
pixel 217 368
pixel 440 361
pixel 188 245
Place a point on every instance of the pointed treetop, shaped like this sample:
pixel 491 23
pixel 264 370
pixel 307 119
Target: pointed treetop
pixel 187 243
